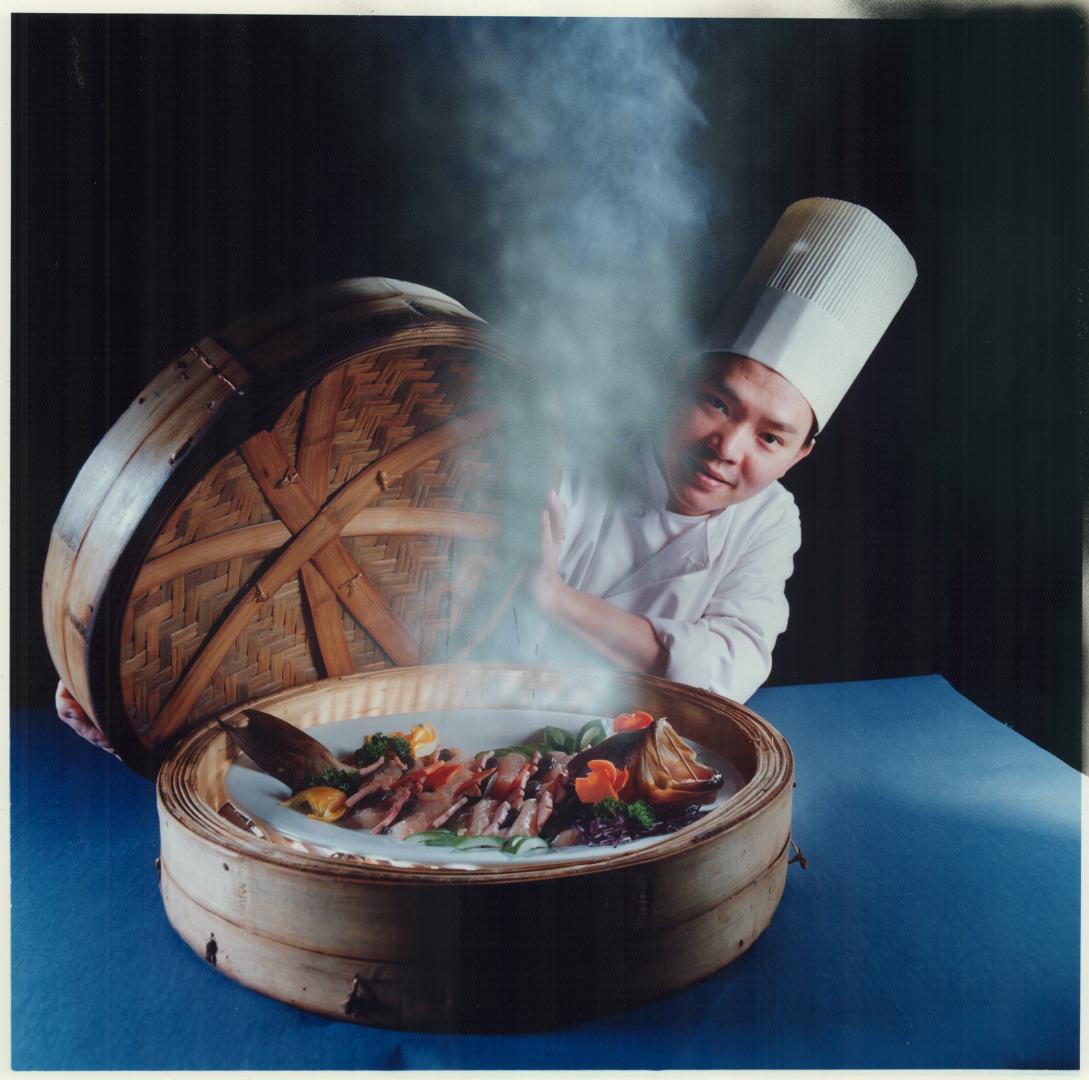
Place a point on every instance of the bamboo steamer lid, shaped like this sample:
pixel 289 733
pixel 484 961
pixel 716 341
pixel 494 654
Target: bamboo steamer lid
pixel 317 490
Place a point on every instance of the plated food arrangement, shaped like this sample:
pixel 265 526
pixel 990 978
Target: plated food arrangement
pixel 572 784
pixel 442 934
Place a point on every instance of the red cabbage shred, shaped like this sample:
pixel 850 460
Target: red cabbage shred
pixel 600 831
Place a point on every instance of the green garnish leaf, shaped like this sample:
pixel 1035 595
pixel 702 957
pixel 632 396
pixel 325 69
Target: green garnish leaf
pixel 518 748
pixel 590 734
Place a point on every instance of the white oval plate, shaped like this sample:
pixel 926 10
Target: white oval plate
pixel 261 796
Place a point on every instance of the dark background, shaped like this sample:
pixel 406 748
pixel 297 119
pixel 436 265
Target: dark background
pixel 171 174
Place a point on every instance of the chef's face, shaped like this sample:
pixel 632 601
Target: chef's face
pixel 737 427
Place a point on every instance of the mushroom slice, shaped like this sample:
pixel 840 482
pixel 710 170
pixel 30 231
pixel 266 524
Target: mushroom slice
pixel 281 749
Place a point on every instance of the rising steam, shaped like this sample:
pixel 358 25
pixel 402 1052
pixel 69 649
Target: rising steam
pixel 555 174
pixel 553 168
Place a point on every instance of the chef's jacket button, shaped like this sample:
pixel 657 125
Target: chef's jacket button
pixel 640 511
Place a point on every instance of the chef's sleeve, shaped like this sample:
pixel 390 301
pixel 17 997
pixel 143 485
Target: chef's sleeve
pixel 728 649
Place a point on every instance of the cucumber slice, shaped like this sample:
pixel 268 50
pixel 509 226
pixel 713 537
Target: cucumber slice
pixel 474 843
pixel 523 845
pixel 590 735
pixel 432 837
pixel 555 738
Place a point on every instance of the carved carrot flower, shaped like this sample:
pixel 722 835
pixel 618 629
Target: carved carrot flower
pixel 632 721
pixel 603 781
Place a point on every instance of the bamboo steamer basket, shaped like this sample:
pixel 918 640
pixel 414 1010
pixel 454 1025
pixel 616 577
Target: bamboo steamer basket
pixel 303 512
pixel 491 948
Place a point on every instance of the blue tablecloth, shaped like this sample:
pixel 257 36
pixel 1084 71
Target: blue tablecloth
pixel 936 926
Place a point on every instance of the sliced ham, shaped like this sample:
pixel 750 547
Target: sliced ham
pixel 544 808
pixel 510 766
pixel 394 806
pixel 557 790
pixel 390 771
pixel 402 801
pixel 479 817
pixel 367 817
pixel 456 780
pixel 365 770
pixel 525 824
pixel 497 821
pixel 517 790
pixel 447 814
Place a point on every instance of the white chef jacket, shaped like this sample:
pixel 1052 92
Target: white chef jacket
pixel 712 587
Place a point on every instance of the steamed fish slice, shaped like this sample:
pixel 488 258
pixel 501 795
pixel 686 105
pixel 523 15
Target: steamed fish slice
pixel 281 749
pixel 621 749
pixel 667 773
pixel 662 767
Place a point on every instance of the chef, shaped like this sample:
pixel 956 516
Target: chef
pixel 681 570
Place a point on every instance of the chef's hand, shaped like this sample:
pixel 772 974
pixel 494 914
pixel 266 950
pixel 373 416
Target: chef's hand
pixel 627 640
pixel 545 581
pixel 71 712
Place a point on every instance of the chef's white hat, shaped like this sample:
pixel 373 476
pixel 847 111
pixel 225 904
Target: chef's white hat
pixel 816 301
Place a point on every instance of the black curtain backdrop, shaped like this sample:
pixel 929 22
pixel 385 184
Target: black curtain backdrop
pixel 173 173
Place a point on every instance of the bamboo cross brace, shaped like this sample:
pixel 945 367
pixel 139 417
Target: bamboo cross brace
pixel 315 450
pixel 324 607
pixel 316 437
pixel 266 457
pixel 324 528
pixel 260 539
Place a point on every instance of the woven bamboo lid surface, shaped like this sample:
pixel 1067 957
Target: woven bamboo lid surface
pixel 317 490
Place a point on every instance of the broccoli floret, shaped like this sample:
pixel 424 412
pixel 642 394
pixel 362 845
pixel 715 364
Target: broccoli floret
pixel 641 814
pixel 344 779
pixel 372 749
pixel 638 812
pixel 378 745
pixel 609 807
